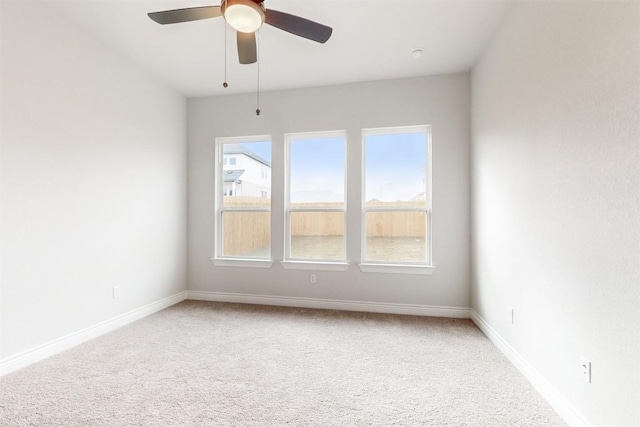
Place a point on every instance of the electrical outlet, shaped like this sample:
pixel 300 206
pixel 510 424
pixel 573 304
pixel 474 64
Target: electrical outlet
pixel 312 278
pixel 116 292
pixel 511 315
pixel 585 369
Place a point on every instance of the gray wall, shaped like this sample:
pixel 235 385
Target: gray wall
pixel 441 101
pixel 556 197
pixel 93 181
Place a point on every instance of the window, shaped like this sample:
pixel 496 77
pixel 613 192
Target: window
pixel 315 198
pixel 243 200
pixel 229 161
pixel 396 201
pixel 396 217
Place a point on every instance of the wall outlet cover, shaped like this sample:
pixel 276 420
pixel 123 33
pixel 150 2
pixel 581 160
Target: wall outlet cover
pixel 585 369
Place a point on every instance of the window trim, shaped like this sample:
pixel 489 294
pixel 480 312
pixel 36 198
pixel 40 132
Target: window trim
pixel 304 263
pixel 426 267
pixel 241 262
pixel 218 240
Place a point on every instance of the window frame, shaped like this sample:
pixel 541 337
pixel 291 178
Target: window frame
pixel 219 209
pixel 427 266
pixel 304 263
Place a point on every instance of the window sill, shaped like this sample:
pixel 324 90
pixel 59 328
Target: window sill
pixel 314 265
pixel 397 268
pixel 238 262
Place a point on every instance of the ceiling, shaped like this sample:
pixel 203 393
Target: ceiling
pixel 372 40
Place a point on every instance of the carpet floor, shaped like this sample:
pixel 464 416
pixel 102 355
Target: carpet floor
pixel 213 364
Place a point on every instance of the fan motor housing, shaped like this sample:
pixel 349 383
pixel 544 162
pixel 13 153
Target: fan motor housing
pixel 254 5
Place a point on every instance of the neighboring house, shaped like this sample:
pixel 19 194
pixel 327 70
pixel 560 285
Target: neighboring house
pixel 420 197
pixel 245 172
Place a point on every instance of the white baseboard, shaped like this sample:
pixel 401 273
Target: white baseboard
pixel 328 304
pixel 41 352
pixel 567 411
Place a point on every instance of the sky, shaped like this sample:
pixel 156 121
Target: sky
pixel 394 167
pixel 317 169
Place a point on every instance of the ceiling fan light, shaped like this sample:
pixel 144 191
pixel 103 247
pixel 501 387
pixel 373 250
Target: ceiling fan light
pixel 243 15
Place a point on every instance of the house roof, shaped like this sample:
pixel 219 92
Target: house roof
pixel 241 149
pixel 419 197
pixel 232 175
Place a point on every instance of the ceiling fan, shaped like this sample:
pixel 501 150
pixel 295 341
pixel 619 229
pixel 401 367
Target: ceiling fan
pixel 246 16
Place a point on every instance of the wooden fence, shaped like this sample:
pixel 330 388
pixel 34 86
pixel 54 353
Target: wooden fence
pixel 247 232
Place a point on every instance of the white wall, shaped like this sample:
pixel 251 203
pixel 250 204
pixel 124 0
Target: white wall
pixel 442 101
pixel 1 108
pixel 556 197
pixel 93 181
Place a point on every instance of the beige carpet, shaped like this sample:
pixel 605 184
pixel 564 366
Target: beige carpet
pixel 211 364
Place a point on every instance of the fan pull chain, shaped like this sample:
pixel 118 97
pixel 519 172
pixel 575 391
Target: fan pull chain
pixel 225 84
pixel 258 74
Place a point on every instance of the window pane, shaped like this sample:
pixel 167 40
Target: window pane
pixel 246 174
pixel 317 172
pixel 395 169
pixel 397 236
pixel 317 235
pixel 246 234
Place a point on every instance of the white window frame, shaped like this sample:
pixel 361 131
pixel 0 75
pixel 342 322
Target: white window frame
pixel 219 209
pixel 427 266
pixel 306 264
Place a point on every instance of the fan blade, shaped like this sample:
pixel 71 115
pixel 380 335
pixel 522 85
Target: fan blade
pixel 184 15
pixel 247 48
pixel 299 26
